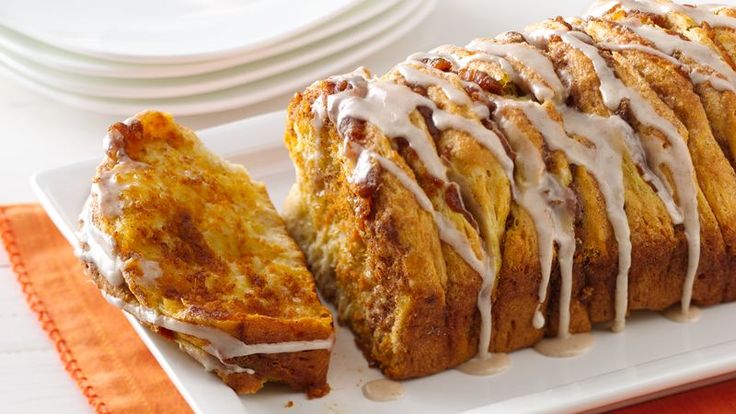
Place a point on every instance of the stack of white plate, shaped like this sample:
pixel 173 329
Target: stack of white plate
pixel 190 56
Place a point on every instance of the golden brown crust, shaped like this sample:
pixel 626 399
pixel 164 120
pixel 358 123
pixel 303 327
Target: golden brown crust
pixel 222 254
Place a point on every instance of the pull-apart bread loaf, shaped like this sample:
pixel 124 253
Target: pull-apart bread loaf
pixel 189 245
pixel 478 199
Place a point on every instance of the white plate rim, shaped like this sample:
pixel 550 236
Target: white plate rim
pixel 181 87
pixel 254 47
pixel 28 48
pixel 240 99
pixel 608 390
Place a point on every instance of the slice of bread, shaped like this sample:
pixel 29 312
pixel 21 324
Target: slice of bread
pixel 193 248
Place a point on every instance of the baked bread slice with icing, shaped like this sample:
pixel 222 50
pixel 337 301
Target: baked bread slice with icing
pixel 557 177
pixel 194 249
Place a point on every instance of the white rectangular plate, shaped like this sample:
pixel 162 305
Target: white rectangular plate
pixel 652 357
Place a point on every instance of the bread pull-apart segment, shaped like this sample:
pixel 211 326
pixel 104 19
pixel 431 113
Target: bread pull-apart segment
pixel 193 248
pixel 478 199
pixel 686 54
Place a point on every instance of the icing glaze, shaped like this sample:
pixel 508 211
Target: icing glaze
pixel 700 14
pixel 530 58
pixel 668 44
pixel 383 390
pixel 679 315
pixel 565 347
pixel 673 154
pixel 210 363
pixel 492 365
pixel 100 247
pixel 221 345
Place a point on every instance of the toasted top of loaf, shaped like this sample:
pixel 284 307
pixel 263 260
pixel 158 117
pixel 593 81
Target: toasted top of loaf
pixel 197 239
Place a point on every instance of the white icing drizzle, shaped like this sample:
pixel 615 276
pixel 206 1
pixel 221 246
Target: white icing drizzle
pixel 447 230
pixel 363 165
pixel 676 314
pixel 700 54
pixel 702 13
pixel 545 199
pixel 447 120
pixel 540 194
pixel 100 247
pixel 106 192
pixel 505 65
pixel 632 142
pixel 107 188
pixel 447 52
pixel 530 58
pixel 566 347
pixel 488 139
pixel 547 202
pixel 318 111
pixel 210 363
pixel 150 269
pixel 674 153
pixel 606 135
pixel 380 107
pixel 488 366
pixel 454 94
pixel 538 320
pixel 696 77
pixel 706 14
pixel 383 390
pixel 642 48
pixel 221 345
pixel 604 162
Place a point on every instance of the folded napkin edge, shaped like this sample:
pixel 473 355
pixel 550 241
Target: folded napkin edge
pixel 7 234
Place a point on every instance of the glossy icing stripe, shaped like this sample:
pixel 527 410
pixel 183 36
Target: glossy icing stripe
pixel 546 201
pixel 696 77
pixel 456 95
pixel 531 58
pixel 100 247
pixel 669 44
pixel 675 155
pixel 700 14
pixel 221 345
pixel 604 162
pixel 381 107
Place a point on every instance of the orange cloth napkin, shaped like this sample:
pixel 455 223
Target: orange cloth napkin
pixel 111 365
pixel 98 347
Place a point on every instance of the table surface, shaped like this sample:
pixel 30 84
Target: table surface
pixel 37 133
